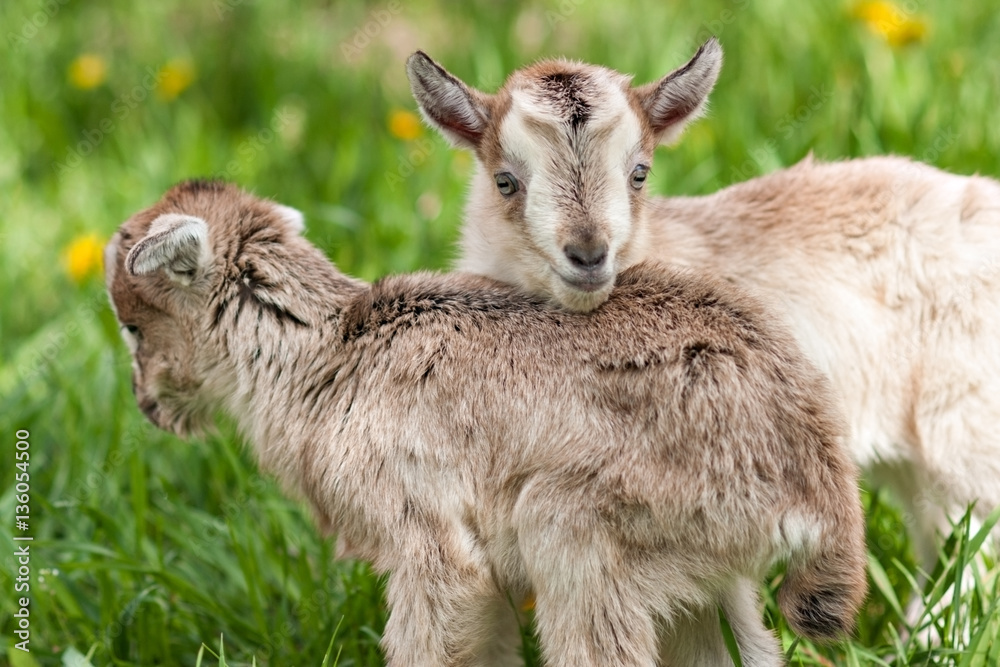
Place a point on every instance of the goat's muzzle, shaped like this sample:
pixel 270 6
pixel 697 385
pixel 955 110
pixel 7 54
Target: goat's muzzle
pixel 590 267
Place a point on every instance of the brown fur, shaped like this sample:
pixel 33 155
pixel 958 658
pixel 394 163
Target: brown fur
pixel 633 467
pixel 887 271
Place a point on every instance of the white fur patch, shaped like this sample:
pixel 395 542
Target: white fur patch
pixel 131 342
pixel 608 161
pixel 292 216
pixel 799 533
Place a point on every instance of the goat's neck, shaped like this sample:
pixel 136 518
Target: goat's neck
pixel 279 359
pixel 676 233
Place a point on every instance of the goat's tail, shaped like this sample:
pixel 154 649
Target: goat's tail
pixel 826 583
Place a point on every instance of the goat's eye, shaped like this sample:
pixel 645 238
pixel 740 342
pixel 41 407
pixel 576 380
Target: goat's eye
pixel 639 176
pixel 130 334
pixel 506 183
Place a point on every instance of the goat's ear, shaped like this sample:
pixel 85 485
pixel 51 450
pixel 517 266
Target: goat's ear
pixel 680 97
pixel 176 243
pixel 459 112
pixel 292 216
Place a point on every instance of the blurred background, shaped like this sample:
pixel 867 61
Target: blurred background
pixel 149 550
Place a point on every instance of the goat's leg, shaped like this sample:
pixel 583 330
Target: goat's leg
pixel 693 637
pixel 446 615
pixel 759 647
pixel 959 459
pixel 589 610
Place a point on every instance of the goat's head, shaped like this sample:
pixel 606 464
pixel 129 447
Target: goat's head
pixel 563 150
pixel 178 272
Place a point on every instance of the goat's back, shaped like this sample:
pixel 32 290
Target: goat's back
pixel 687 370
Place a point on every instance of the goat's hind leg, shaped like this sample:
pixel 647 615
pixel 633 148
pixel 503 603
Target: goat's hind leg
pixel 447 616
pixel 759 647
pixel 589 618
pixel 589 610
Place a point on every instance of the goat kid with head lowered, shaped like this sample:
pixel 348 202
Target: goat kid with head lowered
pixel 634 467
pixel 886 271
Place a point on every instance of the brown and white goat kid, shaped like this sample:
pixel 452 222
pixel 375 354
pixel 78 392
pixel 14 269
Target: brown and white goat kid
pixel 633 467
pixel 887 271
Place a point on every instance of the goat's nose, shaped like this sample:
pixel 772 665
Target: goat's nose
pixel 590 256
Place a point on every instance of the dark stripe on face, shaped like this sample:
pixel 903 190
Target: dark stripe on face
pixel 564 91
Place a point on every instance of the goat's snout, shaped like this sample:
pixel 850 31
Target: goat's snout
pixel 587 257
pixel 591 271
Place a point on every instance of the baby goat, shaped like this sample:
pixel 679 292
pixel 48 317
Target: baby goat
pixel 633 467
pixel 886 271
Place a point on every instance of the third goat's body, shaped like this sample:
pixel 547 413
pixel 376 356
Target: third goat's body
pixel 888 273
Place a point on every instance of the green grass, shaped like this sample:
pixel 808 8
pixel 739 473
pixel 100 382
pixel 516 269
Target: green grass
pixel 148 550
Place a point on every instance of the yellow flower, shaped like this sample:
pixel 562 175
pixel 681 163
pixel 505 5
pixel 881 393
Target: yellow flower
pixel 174 78
pixel 87 71
pixel 405 125
pixel 84 256
pixel 909 32
pixel 893 24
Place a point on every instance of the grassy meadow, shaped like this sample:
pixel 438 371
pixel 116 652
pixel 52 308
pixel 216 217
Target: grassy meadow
pixel 148 550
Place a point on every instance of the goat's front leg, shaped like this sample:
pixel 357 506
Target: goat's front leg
pixel 448 614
